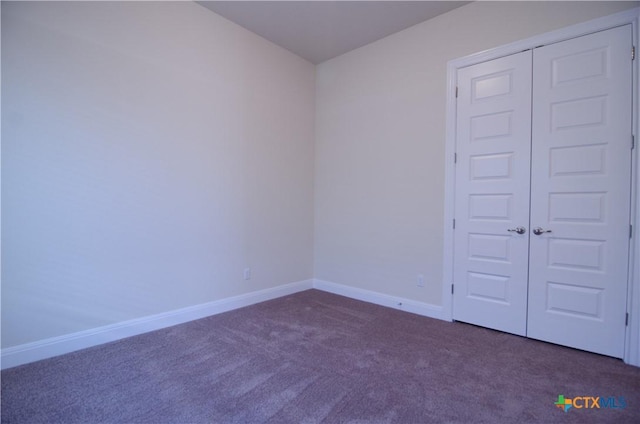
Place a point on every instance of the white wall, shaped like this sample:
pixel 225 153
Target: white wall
pixel 150 152
pixel 380 142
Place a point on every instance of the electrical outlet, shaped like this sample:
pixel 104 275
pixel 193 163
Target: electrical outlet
pixel 247 273
pixel 420 280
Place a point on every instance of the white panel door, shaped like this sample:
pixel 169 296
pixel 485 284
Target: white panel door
pixel 492 193
pixel 580 191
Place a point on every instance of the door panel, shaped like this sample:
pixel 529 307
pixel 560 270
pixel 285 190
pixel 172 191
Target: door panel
pixel 580 191
pixel 492 193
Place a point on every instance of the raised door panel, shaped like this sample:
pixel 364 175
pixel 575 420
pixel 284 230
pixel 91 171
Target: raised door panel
pixel 580 191
pixel 492 193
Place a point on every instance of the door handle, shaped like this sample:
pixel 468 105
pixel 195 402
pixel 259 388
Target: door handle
pixel 519 230
pixel 537 231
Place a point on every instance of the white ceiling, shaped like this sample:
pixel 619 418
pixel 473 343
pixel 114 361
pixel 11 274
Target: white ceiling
pixel 321 30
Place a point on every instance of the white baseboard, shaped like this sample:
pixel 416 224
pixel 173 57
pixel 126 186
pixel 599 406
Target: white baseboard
pixel 43 349
pixel 408 305
pixel 31 352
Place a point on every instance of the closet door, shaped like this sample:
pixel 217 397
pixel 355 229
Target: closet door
pixel 492 193
pixel 580 191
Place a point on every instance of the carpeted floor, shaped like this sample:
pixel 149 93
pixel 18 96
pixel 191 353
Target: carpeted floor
pixel 317 357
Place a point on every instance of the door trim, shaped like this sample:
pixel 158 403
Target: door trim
pixel 632 333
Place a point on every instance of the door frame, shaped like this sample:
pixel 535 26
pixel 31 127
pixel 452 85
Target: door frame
pixel 631 16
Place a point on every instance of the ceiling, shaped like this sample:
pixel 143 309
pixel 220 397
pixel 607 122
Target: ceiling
pixel 321 30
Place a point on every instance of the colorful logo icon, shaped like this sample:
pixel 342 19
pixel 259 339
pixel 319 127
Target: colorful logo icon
pixel 563 403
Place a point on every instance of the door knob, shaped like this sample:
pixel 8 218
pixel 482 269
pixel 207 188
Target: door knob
pixel 537 231
pixel 519 230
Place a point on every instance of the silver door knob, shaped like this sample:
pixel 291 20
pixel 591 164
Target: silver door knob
pixel 519 230
pixel 537 231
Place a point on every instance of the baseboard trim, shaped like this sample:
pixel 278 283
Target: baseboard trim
pixel 55 346
pixel 43 349
pixel 408 305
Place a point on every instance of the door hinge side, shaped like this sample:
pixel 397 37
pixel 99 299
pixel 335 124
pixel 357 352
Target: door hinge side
pixel 454 224
pixel 630 231
pixel 633 53
pixel 456 91
pixel 451 288
pixel 455 158
pixel 626 319
pixel 633 141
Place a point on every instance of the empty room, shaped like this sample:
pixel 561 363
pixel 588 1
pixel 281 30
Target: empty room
pixel 320 212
